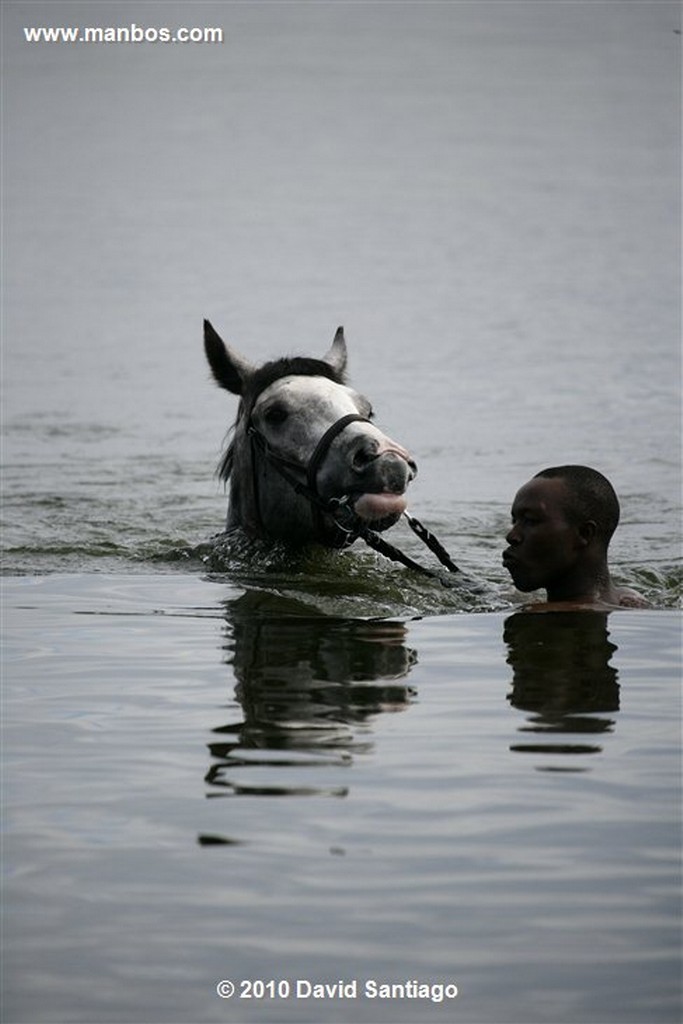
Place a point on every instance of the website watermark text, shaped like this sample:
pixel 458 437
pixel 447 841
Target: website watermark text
pixel 121 34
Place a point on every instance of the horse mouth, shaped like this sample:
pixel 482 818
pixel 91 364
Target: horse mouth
pixel 381 509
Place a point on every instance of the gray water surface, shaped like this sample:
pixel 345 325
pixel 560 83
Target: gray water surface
pixel 486 195
pixel 202 786
pixel 323 768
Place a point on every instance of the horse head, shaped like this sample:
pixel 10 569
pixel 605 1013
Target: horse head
pixel 305 460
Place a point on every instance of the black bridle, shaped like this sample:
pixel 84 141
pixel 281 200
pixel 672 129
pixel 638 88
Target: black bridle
pixel 309 488
pixel 349 525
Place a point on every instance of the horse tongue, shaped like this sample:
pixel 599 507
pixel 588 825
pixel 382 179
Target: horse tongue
pixel 372 507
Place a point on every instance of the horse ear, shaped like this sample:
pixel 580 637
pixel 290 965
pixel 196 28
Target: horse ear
pixel 336 355
pixel 230 370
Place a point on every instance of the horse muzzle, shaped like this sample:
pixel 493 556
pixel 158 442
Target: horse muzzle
pixel 380 493
pixel 369 469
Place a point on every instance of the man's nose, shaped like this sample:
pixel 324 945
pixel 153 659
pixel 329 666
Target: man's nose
pixel 512 537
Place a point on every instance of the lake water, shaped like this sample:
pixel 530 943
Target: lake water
pixel 328 770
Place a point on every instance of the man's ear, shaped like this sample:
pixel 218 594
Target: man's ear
pixel 587 531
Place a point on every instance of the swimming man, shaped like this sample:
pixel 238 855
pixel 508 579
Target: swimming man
pixel 562 522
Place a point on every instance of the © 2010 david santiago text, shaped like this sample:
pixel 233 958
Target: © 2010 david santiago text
pixel 370 988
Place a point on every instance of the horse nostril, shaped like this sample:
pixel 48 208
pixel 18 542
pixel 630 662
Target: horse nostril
pixel 364 455
pixel 393 468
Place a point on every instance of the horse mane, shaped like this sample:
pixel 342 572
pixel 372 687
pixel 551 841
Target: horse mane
pixel 262 378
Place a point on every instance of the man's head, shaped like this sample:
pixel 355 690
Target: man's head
pixel 562 523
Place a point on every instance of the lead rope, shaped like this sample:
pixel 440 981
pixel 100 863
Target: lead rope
pixel 432 543
pixel 373 540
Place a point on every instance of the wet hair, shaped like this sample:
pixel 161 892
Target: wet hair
pixel 289 366
pixel 591 496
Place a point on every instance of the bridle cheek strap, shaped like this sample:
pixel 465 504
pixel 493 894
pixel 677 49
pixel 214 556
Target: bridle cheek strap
pixel 307 490
pixel 323 446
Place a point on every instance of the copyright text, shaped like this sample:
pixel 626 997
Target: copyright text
pixel 370 988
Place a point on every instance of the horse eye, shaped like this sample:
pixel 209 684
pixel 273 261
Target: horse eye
pixel 275 414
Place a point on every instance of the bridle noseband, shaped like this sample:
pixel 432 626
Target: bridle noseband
pixel 323 446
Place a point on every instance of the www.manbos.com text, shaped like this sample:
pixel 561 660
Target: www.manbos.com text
pixel 122 34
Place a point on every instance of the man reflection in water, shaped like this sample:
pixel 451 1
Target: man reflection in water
pixel 562 522
pixel 561 667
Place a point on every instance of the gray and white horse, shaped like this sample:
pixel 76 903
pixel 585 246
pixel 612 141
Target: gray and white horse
pixel 305 462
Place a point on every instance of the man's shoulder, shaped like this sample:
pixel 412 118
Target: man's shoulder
pixel 631 598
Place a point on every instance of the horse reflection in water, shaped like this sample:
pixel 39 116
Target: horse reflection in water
pixel 562 673
pixel 306 685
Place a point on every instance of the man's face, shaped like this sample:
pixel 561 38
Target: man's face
pixel 543 545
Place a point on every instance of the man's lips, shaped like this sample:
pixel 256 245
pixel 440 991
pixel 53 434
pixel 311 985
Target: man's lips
pixel 508 558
